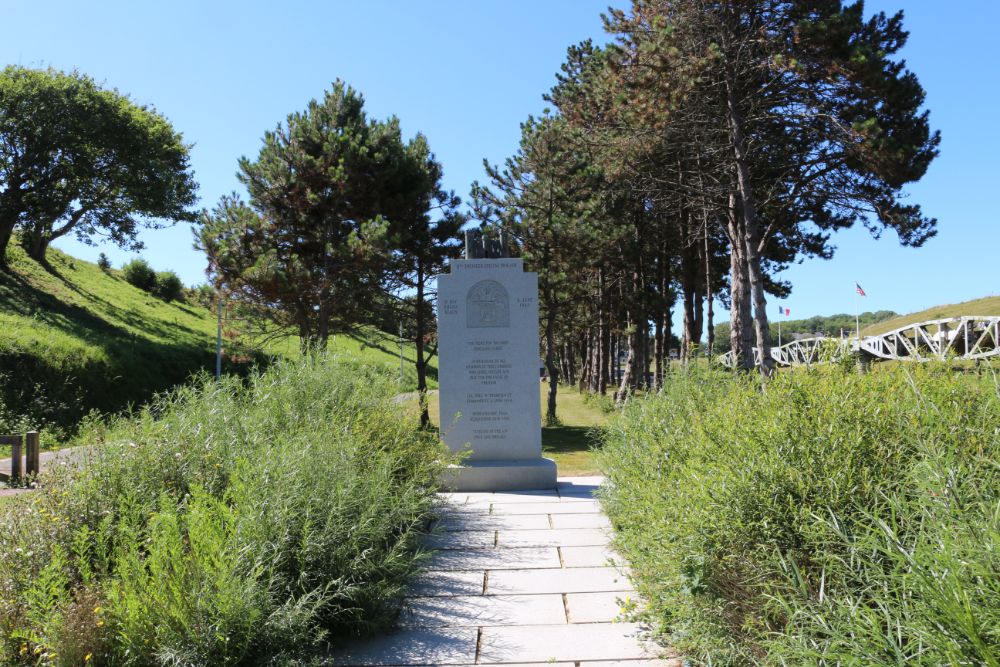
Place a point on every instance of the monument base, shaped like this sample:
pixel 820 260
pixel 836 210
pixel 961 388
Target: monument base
pixel 500 475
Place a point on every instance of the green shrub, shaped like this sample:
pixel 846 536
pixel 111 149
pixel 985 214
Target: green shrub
pixel 204 295
pixel 168 286
pixel 140 274
pixel 226 523
pixel 103 263
pixel 833 519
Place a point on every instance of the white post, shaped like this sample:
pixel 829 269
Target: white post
pixel 779 330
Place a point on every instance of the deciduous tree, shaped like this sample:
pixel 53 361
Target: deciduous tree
pixel 78 158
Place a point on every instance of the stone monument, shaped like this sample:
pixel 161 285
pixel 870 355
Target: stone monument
pixel 488 370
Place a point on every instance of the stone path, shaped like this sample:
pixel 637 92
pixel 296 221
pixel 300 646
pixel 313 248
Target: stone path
pixel 520 577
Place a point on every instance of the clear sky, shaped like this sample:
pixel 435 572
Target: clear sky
pixel 466 73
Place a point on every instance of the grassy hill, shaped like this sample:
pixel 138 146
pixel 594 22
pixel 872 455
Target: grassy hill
pixel 74 338
pixel 986 306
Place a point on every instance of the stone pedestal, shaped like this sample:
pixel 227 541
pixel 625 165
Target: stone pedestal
pixel 488 373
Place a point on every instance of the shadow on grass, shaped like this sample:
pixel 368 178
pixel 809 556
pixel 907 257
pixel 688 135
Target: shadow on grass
pixel 567 439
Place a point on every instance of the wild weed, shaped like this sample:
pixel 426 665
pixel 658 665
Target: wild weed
pixel 835 518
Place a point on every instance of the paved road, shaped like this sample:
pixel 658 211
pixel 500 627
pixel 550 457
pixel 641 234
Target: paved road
pixel 47 460
pixel 522 577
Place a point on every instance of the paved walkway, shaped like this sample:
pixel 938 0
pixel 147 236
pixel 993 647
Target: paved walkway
pixel 520 577
pixel 46 459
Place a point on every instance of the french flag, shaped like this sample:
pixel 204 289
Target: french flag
pixel 784 311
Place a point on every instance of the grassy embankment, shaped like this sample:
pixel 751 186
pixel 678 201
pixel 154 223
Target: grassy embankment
pixel 245 522
pixel 569 442
pixel 986 306
pixel 834 519
pixel 74 338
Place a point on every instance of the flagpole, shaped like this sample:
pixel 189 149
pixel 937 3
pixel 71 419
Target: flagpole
pixel 779 331
pixel 857 317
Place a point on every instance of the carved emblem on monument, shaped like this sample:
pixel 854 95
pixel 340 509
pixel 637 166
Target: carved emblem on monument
pixel 487 305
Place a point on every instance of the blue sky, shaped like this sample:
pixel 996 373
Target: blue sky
pixel 466 73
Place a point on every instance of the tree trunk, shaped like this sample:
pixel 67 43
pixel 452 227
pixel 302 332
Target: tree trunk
pixel 751 236
pixel 36 245
pixel 421 363
pixel 658 353
pixel 699 318
pixel 6 232
pixel 307 340
pixel 550 352
pixel 710 310
pixel 688 326
pixel 595 358
pixel 739 321
pixel 689 289
pixel 646 356
pixel 323 323
pixel 604 335
pixel 570 363
pixel 628 374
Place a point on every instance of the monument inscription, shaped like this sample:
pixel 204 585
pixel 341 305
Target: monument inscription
pixel 489 374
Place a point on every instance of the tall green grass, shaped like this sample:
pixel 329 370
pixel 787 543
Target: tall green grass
pixel 225 524
pixel 833 519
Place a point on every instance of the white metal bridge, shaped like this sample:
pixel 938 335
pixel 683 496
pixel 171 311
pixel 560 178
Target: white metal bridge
pixel 967 337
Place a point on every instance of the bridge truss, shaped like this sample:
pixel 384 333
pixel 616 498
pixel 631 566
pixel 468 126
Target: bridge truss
pixel 967 337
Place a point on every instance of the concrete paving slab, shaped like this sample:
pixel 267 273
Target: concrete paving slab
pixel 579 491
pixel 468 521
pixel 571 498
pixel 483 610
pixel 468 539
pixel 583 507
pixel 598 607
pixel 434 583
pixel 568 537
pixel 663 662
pixel 564 580
pixel 495 559
pixel 595 480
pixel 528 664
pixel 579 486
pixel 597 641
pixel 412 646
pixel 545 495
pixel 589 557
pixel 453 498
pixel 580 521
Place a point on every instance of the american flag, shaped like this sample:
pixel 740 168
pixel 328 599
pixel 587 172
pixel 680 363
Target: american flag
pixel 860 291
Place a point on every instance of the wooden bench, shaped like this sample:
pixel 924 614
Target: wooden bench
pixel 27 443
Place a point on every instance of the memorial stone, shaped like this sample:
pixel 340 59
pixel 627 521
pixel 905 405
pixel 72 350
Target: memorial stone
pixel 489 376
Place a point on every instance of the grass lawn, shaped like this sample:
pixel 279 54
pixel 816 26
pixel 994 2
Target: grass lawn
pixel 75 338
pixel 982 307
pixel 568 444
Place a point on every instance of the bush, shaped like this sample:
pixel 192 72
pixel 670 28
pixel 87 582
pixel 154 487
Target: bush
pixel 833 519
pixel 204 295
pixel 103 263
pixel 140 274
pixel 227 523
pixel 168 286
